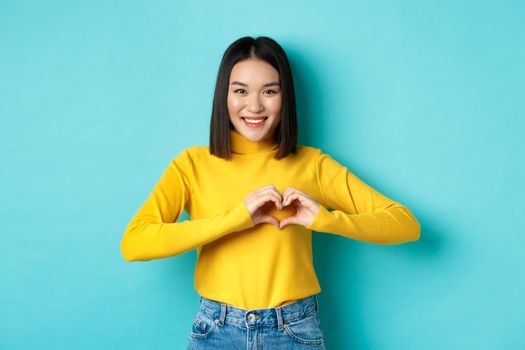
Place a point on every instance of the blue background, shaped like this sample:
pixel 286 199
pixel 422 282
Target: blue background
pixel 422 100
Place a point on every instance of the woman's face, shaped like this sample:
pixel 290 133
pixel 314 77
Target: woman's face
pixel 254 94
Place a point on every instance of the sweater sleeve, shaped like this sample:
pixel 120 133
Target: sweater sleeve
pixel 359 212
pixel 153 231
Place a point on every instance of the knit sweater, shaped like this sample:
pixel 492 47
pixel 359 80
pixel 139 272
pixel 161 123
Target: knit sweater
pixel 257 266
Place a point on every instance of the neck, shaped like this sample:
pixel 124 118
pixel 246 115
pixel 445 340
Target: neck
pixel 242 145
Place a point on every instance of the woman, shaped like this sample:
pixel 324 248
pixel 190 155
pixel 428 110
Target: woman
pixel 254 196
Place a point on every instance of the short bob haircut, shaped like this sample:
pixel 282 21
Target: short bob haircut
pixel 266 49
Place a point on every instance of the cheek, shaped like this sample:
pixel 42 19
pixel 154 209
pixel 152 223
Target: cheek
pixel 275 104
pixel 233 105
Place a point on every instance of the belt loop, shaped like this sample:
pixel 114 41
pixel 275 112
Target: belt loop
pixel 316 303
pixel 280 322
pixel 222 317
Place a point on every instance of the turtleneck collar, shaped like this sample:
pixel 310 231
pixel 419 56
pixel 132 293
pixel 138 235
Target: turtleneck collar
pixel 242 145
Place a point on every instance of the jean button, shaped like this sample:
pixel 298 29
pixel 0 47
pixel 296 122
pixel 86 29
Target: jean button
pixel 251 317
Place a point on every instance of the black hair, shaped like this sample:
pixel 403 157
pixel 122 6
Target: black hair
pixel 268 50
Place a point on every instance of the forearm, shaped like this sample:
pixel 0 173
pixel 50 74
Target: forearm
pixel 392 225
pixel 147 239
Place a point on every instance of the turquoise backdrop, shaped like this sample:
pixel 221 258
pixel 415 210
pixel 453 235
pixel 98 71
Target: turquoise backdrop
pixel 424 101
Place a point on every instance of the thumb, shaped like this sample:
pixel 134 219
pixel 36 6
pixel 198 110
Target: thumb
pixel 287 221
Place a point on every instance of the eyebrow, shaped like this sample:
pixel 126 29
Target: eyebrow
pixel 273 83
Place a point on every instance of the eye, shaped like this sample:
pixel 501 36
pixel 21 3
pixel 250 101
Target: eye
pixel 271 92
pixel 239 90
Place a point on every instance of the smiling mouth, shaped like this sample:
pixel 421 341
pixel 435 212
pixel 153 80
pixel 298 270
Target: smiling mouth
pixel 254 122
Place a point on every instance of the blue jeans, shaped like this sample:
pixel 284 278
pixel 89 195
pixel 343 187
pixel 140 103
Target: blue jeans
pixel 222 326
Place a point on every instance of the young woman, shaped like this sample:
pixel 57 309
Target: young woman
pixel 254 196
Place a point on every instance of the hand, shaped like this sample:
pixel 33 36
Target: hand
pixel 307 207
pixel 258 198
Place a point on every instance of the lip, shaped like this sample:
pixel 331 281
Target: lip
pixel 254 125
pixel 258 117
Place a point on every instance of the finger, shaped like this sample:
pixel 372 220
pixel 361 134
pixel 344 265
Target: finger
pixel 269 197
pixel 291 197
pixel 262 200
pixel 303 200
pixel 293 190
pixel 286 194
pixel 289 190
pixel 270 219
pixel 287 221
pixel 277 194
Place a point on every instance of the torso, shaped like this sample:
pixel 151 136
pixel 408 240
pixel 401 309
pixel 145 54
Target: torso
pixel 288 302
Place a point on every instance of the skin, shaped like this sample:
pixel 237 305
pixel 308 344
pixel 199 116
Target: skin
pixel 249 97
pixel 254 90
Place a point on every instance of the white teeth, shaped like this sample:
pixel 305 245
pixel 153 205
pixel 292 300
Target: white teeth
pixel 253 121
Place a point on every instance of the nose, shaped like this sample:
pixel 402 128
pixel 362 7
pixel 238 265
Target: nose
pixel 255 105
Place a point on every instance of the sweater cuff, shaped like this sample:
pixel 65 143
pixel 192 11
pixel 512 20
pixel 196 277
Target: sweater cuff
pixel 321 219
pixel 242 217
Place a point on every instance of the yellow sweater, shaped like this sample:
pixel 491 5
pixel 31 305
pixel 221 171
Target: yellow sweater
pixel 257 266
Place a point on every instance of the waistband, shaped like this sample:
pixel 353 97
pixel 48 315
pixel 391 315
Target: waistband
pixel 269 317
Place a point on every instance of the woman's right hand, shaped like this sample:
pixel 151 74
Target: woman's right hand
pixel 257 198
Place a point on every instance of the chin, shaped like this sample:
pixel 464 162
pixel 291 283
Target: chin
pixel 255 137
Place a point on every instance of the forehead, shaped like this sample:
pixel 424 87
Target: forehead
pixel 253 71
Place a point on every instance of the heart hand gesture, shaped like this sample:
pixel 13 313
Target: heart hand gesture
pixel 307 208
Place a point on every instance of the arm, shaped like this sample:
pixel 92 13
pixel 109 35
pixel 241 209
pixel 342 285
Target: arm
pixel 153 232
pixel 360 212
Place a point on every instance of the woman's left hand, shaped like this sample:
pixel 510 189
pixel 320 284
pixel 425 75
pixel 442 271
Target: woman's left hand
pixel 307 207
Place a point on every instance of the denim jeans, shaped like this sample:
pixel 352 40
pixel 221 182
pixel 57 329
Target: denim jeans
pixel 222 326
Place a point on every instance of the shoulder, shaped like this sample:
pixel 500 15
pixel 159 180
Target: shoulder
pixel 307 156
pixel 309 152
pixel 308 149
pixel 318 157
pixel 193 153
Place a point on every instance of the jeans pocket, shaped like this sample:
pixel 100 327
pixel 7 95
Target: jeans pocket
pixel 305 331
pixel 203 326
